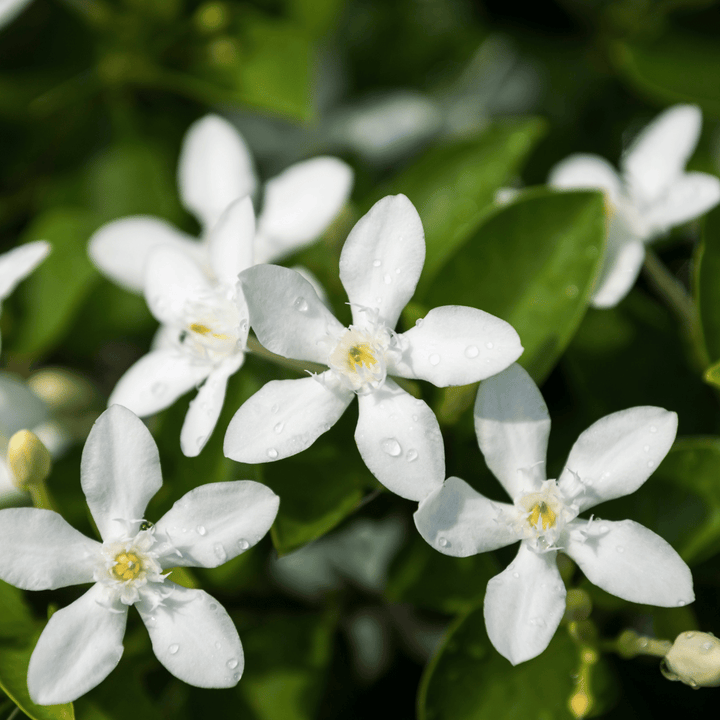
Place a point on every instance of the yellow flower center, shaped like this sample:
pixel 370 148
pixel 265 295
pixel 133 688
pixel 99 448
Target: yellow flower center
pixel 542 515
pixel 361 355
pixel 201 329
pixel 127 566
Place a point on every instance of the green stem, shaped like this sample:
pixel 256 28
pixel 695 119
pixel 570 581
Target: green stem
pixel 41 497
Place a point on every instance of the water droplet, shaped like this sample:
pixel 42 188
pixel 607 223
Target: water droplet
pixel 443 542
pixel 279 427
pixel 200 440
pixel 274 409
pixel 516 575
pixel 706 647
pixel 218 645
pixel 646 448
pixel 411 455
pixel 620 549
pixel 173 649
pixel 243 544
pixel 387 279
pixel 213 606
pixel 300 304
pixel 681 603
pixel 471 351
pixel 151 621
pixel 220 553
pixel 651 464
pixel 434 359
pixel 200 530
pixel 571 291
pixel 689 635
pixel 391 446
pixel 398 271
pixel 377 263
pixel 232 663
pixel 489 345
pixel 236 677
pixel 653 429
pixel 537 621
pixel 419 322
pixel 378 299
pixel 272 453
pixel 158 389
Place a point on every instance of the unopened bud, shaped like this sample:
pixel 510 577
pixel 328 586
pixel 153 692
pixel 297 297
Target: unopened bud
pixel 694 659
pixel 28 459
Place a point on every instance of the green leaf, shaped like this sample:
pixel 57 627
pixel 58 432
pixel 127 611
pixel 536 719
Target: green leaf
pixel 16 620
pixel 674 68
pixel 469 680
pixel 55 290
pixel 14 661
pixel 707 285
pixel 453 186
pixel 533 264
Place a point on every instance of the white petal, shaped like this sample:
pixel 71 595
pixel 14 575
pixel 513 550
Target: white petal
pixel 399 439
pixel 300 203
pixel 230 242
pixel 287 315
pixel 213 523
pixel 120 249
pixel 204 410
pixel 512 427
pixel 18 263
pixel 284 418
pixel 659 154
pixel 589 172
pixel 622 263
pixel 382 258
pixel 172 280
pixel 617 454
pixel 9 9
pixel 20 407
pixel 628 560
pixel 458 521
pixel 690 196
pixel 215 169
pixel 455 345
pixel 524 605
pixel 157 380
pixel 79 647
pixel 40 551
pixel 193 637
pixel 120 470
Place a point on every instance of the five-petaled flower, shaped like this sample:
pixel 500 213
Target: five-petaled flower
pixel 614 457
pixel 191 634
pixel 398 435
pixel 652 195
pixel 216 170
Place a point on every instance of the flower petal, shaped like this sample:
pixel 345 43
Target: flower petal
pixel 215 168
pixel 204 410
pixel 230 242
pixel 287 315
pixel 172 280
pixel 399 439
pixel 617 454
pixel 382 258
pixel 213 523
pixel 660 152
pixel 120 249
pixel 455 345
pixel 79 647
pixel 18 263
pixel 512 427
pixel 524 605
pixel 120 470
pixel 628 560
pixel 193 637
pixel 300 203
pixel 42 552
pixel 458 521
pixel 9 9
pixel 284 418
pixel 157 380
pixel 20 407
pixel 690 196
pixel 592 172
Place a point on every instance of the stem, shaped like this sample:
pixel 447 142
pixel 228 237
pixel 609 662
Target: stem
pixel 40 495
pixel 13 714
pixel 630 644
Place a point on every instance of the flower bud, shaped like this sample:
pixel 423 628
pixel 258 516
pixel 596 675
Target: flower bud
pixel 694 659
pixel 28 459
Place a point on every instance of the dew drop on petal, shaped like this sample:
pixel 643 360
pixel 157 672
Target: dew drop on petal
pixel 391 446
pixel 200 530
pixel 274 408
pixel 646 448
pixel 200 440
pixel 232 663
pixel 434 359
pixel 653 429
pixel 681 603
pixel 689 635
pixel 279 427
pixel 272 453
pixel 220 553
pixel 377 263
pixel 151 621
pixel 516 575
pixel 378 300
pixel 419 322
pixel 218 645
pixel 411 455
pixel 471 351
pixel 651 464
pixel 620 549
pixel 443 542
pixel 398 271
pixel 213 606
pixel 415 418
pixel 387 279
pixel 173 649
pixel 300 304
pixel 243 544
pixel 236 677
pixel 706 647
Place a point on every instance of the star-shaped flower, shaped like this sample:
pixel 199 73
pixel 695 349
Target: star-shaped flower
pixel 614 457
pixel 652 194
pixel 398 435
pixel 204 328
pixel 215 170
pixel 191 634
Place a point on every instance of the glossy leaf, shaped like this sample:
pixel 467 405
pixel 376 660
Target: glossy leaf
pixel 707 286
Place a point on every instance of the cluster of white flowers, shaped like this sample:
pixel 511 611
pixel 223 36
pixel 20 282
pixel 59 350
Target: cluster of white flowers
pixel 208 294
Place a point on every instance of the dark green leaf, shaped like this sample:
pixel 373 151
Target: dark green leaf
pixel 16 620
pixel 707 285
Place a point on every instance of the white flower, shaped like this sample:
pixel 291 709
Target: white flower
pixel 191 634
pixel 204 328
pixel 9 9
pixel 398 435
pixel 614 457
pixel 215 170
pixel 652 194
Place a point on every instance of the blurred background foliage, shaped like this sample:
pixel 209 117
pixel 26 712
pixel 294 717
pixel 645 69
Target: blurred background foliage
pixel 344 611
